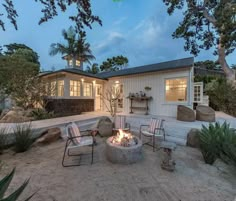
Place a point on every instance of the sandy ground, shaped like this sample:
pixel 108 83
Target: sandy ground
pixel 192 180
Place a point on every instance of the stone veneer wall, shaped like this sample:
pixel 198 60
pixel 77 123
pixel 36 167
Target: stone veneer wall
pixel 65 107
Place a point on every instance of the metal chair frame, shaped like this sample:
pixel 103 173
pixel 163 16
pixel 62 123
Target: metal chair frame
pixel 153 145
pixel 67 150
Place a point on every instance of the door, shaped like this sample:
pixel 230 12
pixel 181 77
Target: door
pixel 98 98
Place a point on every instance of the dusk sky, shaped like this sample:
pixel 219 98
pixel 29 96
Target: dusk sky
pixel 140 30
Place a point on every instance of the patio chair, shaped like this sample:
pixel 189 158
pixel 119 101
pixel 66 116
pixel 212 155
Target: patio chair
pixel 76 140
pixel 153 130
pixel 120 123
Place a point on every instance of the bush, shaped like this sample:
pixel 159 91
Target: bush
pixel 218 141
pixel 4 184
pixel 39 114
pixel 3 139
pixel 23 137
pixel 222 96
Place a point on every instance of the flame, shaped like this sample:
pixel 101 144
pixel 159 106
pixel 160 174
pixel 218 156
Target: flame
pixel 120 135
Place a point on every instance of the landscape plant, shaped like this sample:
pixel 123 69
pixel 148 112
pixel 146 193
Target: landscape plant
pixel 41 113
pixel 23 137
pixel 3 139
pixel 218 141
pixel 4 184
pixel 222 95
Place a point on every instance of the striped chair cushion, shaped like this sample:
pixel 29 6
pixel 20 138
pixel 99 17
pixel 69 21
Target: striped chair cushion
pixel 73 131
pixel 120 122
pixel 155 123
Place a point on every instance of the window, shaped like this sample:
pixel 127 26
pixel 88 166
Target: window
pixel 176 89
pixel 77 63
pixel 74 88
pixel 198 92
pixel 60 88
pixel 53 88
pixel 88 89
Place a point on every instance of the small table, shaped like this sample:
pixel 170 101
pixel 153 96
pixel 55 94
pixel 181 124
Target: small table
pixel 167 162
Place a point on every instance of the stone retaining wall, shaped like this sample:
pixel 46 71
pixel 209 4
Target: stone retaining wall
pixel 66 107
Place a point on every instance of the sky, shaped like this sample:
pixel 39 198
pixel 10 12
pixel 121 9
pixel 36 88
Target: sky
pixel 140 30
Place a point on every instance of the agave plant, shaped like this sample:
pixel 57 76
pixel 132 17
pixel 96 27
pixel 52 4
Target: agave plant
pixel 218 141
pixel 4 184
pixel 23 135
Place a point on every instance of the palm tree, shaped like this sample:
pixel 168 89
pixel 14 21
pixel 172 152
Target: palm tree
pixel 94 69
pixel 76 47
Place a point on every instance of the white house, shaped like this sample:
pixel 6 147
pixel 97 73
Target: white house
pixel 170 84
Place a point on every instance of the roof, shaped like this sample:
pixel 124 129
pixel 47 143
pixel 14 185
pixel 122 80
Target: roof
pixel 74 71
pixel 169 65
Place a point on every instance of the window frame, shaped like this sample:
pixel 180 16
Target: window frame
pixel 198 84
pixel 80 84
pixel 187 90
pixel 58 87
pixel 91 93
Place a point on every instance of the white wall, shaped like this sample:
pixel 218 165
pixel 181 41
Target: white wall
pixel 156 80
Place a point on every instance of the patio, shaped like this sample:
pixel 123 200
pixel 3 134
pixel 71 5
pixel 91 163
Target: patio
pixel 192 180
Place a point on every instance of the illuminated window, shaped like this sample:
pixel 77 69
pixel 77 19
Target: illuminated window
pixel 74 88
pixel 60 88
pixel 77 63
pixel 88 89
pixel 176 90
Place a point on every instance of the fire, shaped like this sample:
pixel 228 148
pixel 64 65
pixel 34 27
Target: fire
pixel 123 138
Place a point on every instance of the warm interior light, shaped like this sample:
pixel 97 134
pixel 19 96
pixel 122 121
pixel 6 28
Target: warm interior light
pixel 82 79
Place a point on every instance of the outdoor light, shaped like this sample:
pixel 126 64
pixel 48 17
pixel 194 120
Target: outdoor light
pixel 82 79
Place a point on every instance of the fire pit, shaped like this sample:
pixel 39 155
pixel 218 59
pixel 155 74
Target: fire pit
pixel 124 148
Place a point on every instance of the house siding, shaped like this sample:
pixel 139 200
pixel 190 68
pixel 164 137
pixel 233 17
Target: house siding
pixel 156 80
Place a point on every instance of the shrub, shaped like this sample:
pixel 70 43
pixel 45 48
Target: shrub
pixel 40 114
pixel 222 96
pixel 23 137
pixel 4 184
pixel 218 141
pixel 3 139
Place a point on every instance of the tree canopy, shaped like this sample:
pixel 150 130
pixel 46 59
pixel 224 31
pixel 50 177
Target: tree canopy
pixel 208 64
pixel 94 68
pixel 207 24
pixel 114 63
pixel 50 9
pixel 22 50
pixel 76 46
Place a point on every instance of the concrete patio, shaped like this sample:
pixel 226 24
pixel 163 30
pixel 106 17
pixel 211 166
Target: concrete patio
pixel 176 130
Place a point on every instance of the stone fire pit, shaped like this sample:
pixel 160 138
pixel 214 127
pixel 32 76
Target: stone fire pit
pixel 123 148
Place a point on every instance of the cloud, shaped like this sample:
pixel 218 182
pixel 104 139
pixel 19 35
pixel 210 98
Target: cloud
pixel 113 41
pixel 119 21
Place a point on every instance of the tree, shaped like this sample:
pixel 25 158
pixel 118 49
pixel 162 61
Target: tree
pixel 114 63
pixel 50 9
pixel 207 24
pixel 210 65
pixel 18 78
pixel 76 46
pixel 94 69
pixel 22 51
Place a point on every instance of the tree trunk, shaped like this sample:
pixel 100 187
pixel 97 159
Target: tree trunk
pixel 74 62
pixel 229 72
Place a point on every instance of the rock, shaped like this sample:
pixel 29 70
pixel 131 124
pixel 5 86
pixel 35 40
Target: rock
pixel 104 126
pixel 16 115
pixel 51 135
pixel 193 138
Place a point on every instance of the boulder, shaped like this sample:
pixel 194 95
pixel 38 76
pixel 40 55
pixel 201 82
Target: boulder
pixel 51 135
pixel 16 115
pixel 104 126
pixel 185 113
pixel 193 138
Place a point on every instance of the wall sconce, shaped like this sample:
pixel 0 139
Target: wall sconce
pixel 82 79
pixel 117 82
pixel 94 81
